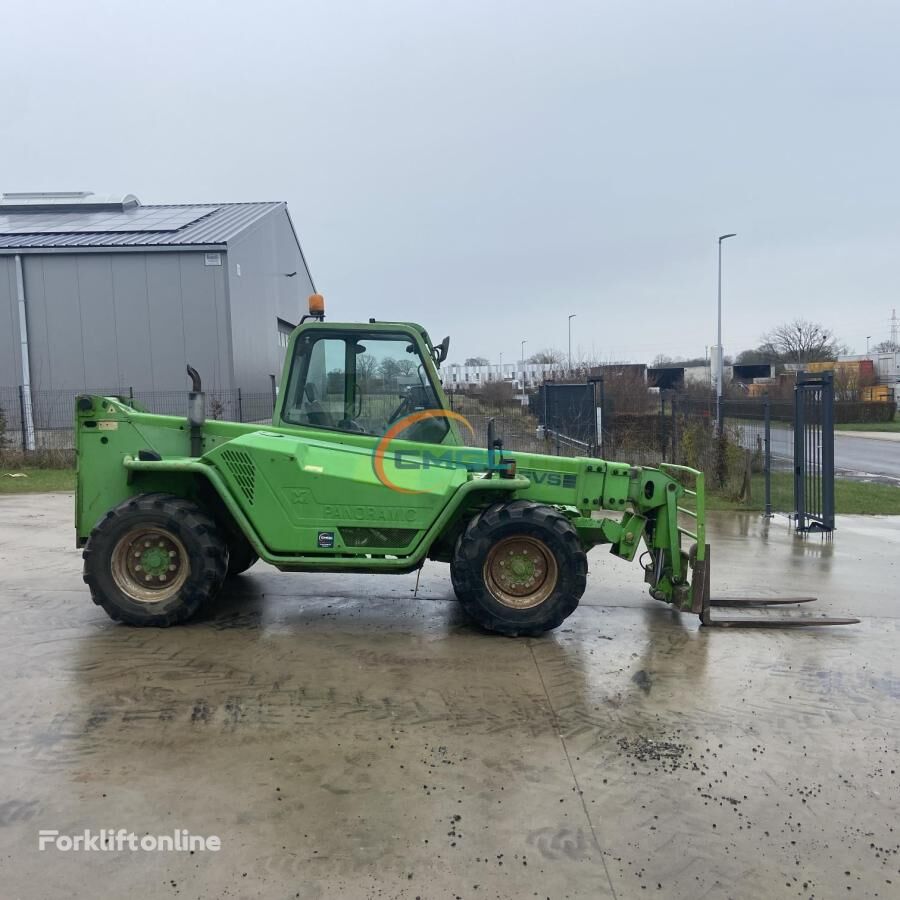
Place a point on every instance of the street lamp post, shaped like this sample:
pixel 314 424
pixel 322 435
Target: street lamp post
pixel 523 364
pixel 721 356
pixel 868 338
pixel 570 339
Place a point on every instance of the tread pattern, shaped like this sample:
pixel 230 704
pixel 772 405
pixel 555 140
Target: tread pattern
pixel 502 520
pixel 205 547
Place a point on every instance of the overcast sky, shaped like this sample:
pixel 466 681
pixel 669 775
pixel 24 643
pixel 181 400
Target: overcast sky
pixel 488 168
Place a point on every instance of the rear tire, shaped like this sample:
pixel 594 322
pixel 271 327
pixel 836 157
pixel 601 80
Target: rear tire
pixel 519 568
pixel 153 560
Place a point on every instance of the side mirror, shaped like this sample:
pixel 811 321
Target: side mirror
pixel 441 351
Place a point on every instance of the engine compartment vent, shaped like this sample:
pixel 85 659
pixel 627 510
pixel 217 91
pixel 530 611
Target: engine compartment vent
pixel 243 470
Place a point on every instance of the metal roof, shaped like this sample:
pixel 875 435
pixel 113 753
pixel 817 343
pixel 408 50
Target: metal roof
pixel 204 224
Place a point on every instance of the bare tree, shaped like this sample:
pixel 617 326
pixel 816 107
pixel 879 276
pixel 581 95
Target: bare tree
pixel 477 361
pixel 366 368
pixel 627 392
pixel 762 354
pixel 661 361
pixel 391 369
pixel 886 347
pixel 802 342
pixel 849 381
pixel 551 356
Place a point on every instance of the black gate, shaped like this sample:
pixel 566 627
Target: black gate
pixel 814 451
pixel 567 409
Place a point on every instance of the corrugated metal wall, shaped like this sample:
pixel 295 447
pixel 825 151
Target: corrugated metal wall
pixel 117 320
pixel 266 252
pixel 9 324
pixel 113 320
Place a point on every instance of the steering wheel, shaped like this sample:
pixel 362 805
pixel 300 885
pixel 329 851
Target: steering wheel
pixel 400 411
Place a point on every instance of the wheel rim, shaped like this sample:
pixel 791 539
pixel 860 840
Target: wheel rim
pixel 150 565
pixel 520 572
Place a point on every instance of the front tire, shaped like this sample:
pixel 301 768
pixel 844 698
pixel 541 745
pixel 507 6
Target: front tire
pixel 519 569
pixel 153 560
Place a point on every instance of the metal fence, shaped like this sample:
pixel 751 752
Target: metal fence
pixel 514 424
pixel 757 438
pixel 814 451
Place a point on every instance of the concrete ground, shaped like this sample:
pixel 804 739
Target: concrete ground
pixel 345 740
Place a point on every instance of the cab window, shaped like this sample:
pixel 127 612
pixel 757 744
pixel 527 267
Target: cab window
pixel 362 384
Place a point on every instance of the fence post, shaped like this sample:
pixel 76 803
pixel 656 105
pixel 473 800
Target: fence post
pixel 799 454
pixel 240 407
pixel 604 421
pixel 675 441
pixel 767 454
pixel 22 418
pixel 827 438
pixel 662 425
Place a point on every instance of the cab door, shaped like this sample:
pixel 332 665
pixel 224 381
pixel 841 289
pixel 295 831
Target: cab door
pixel 354 469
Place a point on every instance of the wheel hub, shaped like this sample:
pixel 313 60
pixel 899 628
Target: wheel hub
pixel 520 572
pixel 149 564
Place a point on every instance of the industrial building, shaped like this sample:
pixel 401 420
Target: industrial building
pixel 520 376
pixel 106 293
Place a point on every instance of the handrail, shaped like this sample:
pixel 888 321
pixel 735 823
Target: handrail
pixel 699 495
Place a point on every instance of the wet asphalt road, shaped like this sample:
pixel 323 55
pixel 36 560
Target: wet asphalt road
pixel 858 455
pixel 866 454
pixel 345 740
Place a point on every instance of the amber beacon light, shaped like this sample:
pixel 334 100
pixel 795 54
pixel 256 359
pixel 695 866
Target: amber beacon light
pixel 317 306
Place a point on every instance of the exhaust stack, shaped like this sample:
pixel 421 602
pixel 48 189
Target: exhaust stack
pixel 196 412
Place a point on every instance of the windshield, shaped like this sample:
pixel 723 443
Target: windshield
pixel 361 383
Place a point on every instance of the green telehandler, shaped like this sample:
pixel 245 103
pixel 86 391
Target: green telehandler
pixel 364 469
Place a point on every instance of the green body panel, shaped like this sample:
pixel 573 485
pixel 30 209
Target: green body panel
pixel 310 498
pixel 295 489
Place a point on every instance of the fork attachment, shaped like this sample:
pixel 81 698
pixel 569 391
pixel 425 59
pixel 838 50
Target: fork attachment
pixel 702 604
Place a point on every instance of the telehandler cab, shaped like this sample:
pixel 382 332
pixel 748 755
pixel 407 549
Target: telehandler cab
pixel 363 469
